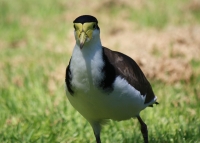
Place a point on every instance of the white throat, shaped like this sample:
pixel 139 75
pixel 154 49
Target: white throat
pixel 86 65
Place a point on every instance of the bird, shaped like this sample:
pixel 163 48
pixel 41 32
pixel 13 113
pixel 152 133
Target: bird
pixel 102 84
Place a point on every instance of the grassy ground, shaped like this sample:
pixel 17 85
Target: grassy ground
pixel 36 38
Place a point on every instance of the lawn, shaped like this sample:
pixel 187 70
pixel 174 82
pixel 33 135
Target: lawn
pixel 36 41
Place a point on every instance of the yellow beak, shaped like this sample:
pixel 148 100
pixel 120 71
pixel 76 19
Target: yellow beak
pixel 84 32
pixel 82 39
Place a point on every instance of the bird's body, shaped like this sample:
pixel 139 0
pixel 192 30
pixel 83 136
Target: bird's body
pixel 122 101
pixel 104 84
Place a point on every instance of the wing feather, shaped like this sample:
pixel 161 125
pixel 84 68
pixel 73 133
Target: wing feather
pixel 128 69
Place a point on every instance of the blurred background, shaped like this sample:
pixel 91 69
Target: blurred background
pixel 36 42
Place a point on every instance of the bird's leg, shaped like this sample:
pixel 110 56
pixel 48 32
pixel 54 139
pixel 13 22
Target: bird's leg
pixel 98 139
pixel 97 129
pixel 144 129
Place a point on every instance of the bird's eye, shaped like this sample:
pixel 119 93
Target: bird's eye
pixel 74 27
pixel 94 26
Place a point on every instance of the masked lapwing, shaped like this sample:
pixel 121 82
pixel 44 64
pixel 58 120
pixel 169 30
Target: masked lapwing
pixel 103 84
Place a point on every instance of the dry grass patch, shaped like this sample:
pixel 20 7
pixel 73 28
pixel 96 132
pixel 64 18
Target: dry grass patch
pixel 163 55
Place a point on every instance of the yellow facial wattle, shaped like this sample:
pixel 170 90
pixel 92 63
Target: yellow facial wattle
pixel 84 31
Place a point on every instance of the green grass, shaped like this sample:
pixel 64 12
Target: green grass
pixel 155 13
pixel 33 105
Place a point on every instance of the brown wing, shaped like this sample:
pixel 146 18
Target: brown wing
pixel 68 78
pixel 128 69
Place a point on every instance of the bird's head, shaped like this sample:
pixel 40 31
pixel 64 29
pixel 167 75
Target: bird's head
pixel 86 28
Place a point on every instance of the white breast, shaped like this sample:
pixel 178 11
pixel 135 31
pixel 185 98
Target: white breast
pixel 122 103
pixel 86 66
